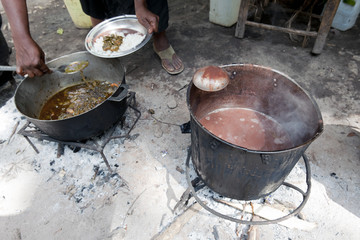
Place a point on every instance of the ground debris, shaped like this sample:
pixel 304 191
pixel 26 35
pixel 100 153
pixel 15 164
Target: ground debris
pixel 170 231
pixel 172 104
pixel 356 57
pixel 60 31
pixel 13 131
pixel 62 173
pixel 180 170
pixel 18 234
pixel 351 134
pixel 134 136
pixel 158 133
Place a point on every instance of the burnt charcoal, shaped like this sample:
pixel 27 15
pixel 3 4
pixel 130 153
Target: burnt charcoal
pixel 334 175
pixel 195 181
pixel 185 128
pixel 134 136
pixel 106 178
pixel 180 170
pixel 101 172
pixel 114 174
pixel 96 168
pixel 74 149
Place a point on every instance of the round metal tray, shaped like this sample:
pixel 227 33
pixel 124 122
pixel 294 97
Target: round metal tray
pixel 125 24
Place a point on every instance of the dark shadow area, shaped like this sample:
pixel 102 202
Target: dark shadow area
pixel 7 91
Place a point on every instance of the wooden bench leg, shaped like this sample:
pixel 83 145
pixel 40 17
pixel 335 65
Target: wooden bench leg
pixel 325 25
pixel 243 14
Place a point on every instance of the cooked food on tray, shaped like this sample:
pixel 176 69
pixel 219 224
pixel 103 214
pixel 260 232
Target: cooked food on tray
pixel 117 37
pixel 112 42
pixel 116 42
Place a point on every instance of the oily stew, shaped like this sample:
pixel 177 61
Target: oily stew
pixel 77 99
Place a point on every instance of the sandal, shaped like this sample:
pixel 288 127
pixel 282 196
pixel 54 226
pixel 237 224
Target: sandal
pixel 168 54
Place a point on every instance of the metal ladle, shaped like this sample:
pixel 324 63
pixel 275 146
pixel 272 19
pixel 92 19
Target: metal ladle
pixel 65 68
pixel 211 79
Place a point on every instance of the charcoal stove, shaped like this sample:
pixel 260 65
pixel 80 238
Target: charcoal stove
pixel 196 184
pixel 31 131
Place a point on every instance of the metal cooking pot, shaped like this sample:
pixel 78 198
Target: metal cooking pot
pixel 235 171
pixel 32 93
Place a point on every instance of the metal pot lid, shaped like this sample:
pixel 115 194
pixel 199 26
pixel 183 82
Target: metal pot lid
pixel 135 36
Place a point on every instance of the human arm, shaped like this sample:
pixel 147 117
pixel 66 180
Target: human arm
pixel 30 59
pixel 148 19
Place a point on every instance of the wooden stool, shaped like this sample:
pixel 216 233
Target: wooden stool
pixel 326 20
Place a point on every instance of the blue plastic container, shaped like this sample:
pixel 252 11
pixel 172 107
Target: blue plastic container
pixel 346 16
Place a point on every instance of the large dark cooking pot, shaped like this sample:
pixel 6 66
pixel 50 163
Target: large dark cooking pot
pixel 32 93
pixel 238 172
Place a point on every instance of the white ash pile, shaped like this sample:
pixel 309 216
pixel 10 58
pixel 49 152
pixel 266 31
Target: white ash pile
pixel 81 174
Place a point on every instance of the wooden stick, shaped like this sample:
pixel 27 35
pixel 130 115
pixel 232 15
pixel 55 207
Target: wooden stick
pixel 282 29
pixel 13 132
pixel 175 227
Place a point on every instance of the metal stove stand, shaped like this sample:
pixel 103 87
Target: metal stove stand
pixel 29 130
pixel 196 184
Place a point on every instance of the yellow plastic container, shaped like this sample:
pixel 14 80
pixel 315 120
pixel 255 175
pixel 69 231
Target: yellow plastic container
pixel 80 19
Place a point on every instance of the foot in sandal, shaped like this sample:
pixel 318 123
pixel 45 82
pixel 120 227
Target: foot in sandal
pixel 169 60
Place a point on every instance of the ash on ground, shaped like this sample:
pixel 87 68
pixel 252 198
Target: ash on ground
pixel 82 172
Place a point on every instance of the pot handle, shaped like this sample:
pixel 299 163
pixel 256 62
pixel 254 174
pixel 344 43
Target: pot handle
pixel 121 95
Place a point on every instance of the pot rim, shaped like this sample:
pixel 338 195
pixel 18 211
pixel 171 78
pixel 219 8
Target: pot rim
pixel 316 135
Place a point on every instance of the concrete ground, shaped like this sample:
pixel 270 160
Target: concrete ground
pixel 43 196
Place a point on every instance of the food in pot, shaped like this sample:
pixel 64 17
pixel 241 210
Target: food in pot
pixel 77 99
pixel 76 66
pixel 247 128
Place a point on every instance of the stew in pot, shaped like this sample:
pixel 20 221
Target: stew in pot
pixel 77 99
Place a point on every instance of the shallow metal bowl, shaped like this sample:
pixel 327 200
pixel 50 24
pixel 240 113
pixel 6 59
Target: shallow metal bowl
pixel 126 24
